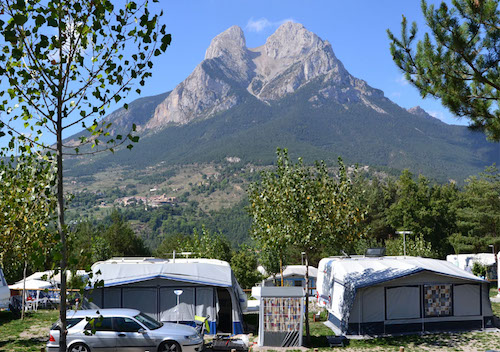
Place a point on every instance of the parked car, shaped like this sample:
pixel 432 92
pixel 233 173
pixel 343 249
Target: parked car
pixel 123 330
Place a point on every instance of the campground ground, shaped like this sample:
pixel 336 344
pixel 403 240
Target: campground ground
pixel 31 335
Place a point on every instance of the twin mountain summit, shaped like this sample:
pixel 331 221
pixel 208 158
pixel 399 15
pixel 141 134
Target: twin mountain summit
pixel 292 92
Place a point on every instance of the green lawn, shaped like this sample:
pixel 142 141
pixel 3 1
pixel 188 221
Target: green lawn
pixel 30 334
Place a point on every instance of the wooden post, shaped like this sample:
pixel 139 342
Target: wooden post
pixel 401 349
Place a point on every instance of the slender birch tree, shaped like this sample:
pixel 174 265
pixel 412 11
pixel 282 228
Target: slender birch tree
pixel 62 64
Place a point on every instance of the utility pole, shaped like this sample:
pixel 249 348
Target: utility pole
pixel 404 233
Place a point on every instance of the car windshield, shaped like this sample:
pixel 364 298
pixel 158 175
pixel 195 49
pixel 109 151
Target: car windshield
pixel 69 323
pixel 150 323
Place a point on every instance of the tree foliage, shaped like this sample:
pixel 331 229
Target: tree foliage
pixel 416 246
pixel 113 237
pixel 206 244
pixel 424 209
pixel 62 63
pixel 26 213
pixel 457 61
pixel 244 265
pixel 304 207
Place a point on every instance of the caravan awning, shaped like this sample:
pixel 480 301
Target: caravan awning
pixel 200 271
pixel 364 272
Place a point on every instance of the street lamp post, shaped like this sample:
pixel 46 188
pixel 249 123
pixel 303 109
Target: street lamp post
pixel 178 293
pixel 404 233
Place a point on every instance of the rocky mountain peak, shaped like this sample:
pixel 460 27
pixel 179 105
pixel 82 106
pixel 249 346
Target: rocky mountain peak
pixel 292 40
pixel 291 58
pixel 418 111
pixel 230 42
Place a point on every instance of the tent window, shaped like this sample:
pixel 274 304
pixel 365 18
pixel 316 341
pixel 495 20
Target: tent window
pixel 438 300
pixel 402 302
pixel 467 300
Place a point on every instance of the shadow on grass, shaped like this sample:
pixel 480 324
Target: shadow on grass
pixel 8 316
pixel 318 341
pixel 28 342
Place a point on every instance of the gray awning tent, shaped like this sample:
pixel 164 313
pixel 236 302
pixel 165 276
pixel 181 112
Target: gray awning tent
pixel 388 295
pixel 208 286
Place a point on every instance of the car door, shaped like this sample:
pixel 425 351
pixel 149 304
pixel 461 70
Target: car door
pixel 130 339
pixel 103 339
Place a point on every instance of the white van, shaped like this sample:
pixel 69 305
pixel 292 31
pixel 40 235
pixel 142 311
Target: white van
pixel 4 291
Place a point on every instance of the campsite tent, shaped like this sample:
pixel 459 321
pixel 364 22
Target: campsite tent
pixel 387 295
pixel 54 277
pixel 31 284
pixel 208 286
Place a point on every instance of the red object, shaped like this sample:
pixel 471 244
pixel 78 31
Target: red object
pixel 51 338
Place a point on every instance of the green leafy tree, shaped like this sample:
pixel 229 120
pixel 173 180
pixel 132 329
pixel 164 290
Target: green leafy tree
pixel 479 269
pixel 376 196
pixel 174 242
pixel 462 244
pixel 63 62
pixel 457 61
pixel 479 208
pixel 416 246
pixel 272 262
pixel 244 264
pixel 211 245
pixel 122 240
pixel 303 207
pixel 424 209
pixel 206 244
pixel 26 212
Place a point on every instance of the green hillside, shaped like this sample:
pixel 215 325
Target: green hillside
pixel 253 130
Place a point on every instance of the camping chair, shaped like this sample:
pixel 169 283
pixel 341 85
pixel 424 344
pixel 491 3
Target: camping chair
pixel 202 324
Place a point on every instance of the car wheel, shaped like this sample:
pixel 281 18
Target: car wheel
pixel 78 347
pixel 170 346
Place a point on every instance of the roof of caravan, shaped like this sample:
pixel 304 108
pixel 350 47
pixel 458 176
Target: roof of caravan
pixel 119 271
pixel 364 271
pixel 462 260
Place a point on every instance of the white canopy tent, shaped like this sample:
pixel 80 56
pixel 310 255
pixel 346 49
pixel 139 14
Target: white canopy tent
pixel 31 284
pixel 208 286
pixel 385 295
pixel 53 278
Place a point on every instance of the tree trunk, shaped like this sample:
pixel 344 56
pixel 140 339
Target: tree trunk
pixel 62 234
pixel 60 189
pixel 24 290
pixel 281 269
pixel 307 300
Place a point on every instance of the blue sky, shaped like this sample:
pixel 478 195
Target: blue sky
pixel 356 29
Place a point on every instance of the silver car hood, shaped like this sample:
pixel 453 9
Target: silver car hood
pixel 175 329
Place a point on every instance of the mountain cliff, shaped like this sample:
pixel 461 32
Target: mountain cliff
pixel 290 59
pixel 290 92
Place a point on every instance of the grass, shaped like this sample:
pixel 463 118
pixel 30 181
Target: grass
pixel 30 334
pixel 468 341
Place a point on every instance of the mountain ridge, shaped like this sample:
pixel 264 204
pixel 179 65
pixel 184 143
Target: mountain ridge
pixel 291 92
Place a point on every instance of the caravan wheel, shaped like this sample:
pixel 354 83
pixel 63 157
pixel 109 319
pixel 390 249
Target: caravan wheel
pixel 170 346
